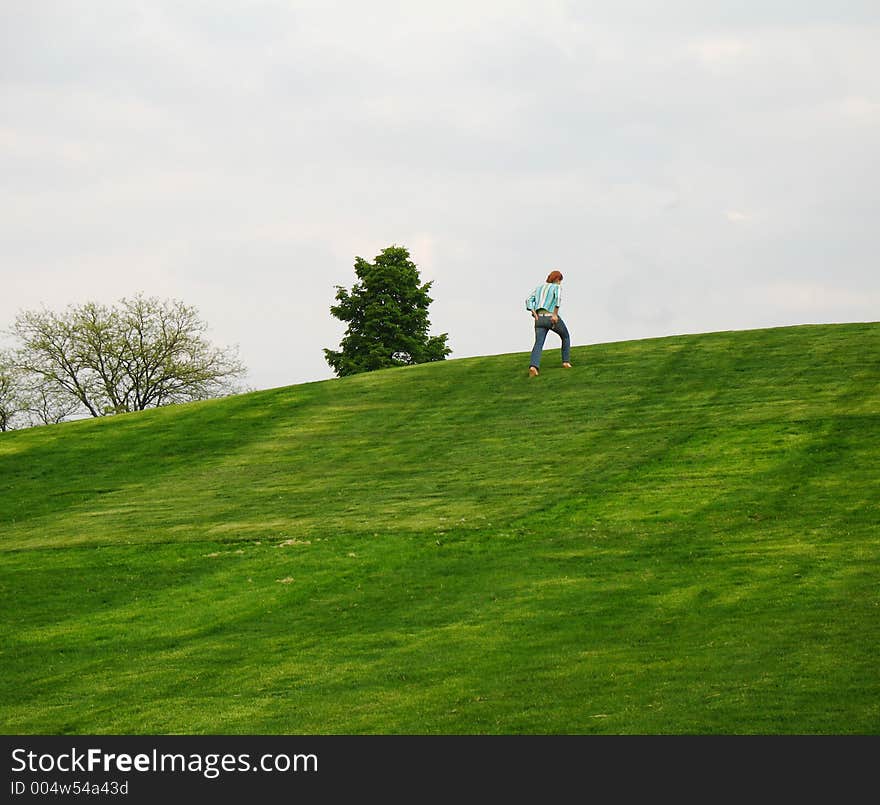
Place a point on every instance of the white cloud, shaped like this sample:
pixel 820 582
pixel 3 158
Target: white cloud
pixel 233 153
pixel 737 216
pixel 720 51
pixel 811 298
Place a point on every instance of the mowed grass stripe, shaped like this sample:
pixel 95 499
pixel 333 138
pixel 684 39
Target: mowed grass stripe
pixel 679 535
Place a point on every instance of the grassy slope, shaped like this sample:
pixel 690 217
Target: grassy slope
pixel 678 535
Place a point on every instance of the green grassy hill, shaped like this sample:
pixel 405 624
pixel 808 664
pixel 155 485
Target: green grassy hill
pixel 679 535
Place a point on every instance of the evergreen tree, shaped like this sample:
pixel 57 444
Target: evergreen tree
pixel 387 315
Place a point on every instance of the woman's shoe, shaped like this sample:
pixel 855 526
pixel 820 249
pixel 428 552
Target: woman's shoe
pixel 566 365
pixel 533 372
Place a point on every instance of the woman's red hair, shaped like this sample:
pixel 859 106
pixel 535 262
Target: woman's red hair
pixel 554 275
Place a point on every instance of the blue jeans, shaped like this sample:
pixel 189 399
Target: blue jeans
pixel 543 325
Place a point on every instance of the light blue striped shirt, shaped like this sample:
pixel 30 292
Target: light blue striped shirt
pixel 547 296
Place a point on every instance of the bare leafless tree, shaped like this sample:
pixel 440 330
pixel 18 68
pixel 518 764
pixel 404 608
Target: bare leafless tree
pixel 11 404
pixel 44 404
pixel 141 353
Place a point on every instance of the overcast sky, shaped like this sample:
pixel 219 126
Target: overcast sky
pixel 690 166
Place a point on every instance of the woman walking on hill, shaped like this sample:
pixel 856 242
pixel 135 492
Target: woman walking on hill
pixel 544 304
